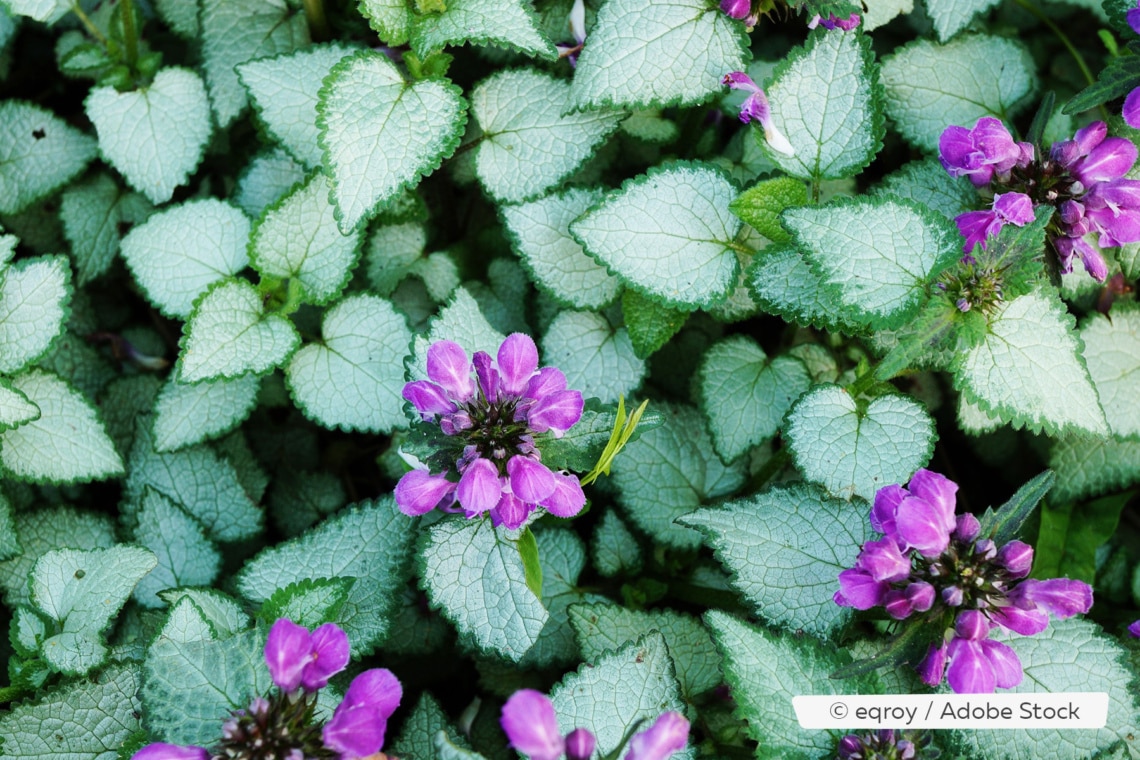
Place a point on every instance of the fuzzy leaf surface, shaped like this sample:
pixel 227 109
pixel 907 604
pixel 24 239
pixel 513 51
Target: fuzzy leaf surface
pixel 185 556
pixel 1112 353
pixel 42 530
pixel 927 183
pixel 188 414
pixel 951 16
pixel 1089 467
pixel 596 359
pixel 39 152
pixel 34 297
pixel 392 19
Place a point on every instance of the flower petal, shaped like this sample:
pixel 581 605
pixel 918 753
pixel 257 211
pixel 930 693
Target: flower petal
pixel 448 367
pixel 511 512
pixel 161 751
pixel 932 667
pixel 530 724
pixel 1006 664
pixel 920 524
pixel 1025 622
pixel 531 480
pixel 288 649
pixel 939 491
pixel 428 398
pixel 567 499
pixel 883 560
pixel 970 671
pixel 377 688
pixel 556 412
pixel 479 487
pixel 1062 597
pixel 330 656
pixel 860 590
pixel 668 734
pixel 419 492
pixel 354 732
pixel 1131 110
pixel 518 360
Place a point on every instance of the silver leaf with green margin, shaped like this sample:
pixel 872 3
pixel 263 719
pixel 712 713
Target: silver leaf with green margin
pixel 827 100
pixel 614 548
pixel 425 721
pixel 391 253
pixel 1112 353
pixel 380 135
pixel 47 11
pixel 187 622
pixel 1028 369
pixel 154 136
pixel 670 471
pixel 187 414
pixel 599 628
pixel 82 591
pixel 178 253
pixel 310 602
pixel 93 212
pixel 620 688
pixel 882 11
pixel 66 444
pixel 43 529
pixel 668 233
pixel 540 235
pixel 879 255
pixel 229 334
pixel 354 378
pixel 854 448
pixel 9 541
pixel 284 90
pixel 930 87
pixel 461 321
pixel 529 143
pixel 1071 655
pixel 745 395
pixel 223 613
pixel 39 152
pixel 297 238
pixel 927 183
pixel 504 23
pixel 82 720
pixel 34 296
pixel 236 31
pixel 597 359
pixel 185 556
pixel 1090 467
pixel 475 576
pixel 785 549
pixel 951 16
pixel 392 19
pixel 370 542
pixel 267 179
pixel 783 283
pixel 652 55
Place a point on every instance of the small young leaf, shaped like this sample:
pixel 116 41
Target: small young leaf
pixel 185 556
pixel 392 20
pixel 95 214
pixel 154 136
pixel 614 547
pixel 38 153
pixel 951 16
pixel 596 359
pixel 760 206
pixel 309 602
pixel 650 324
pixel 188 414
pixel 505 23
pixel 34 298
pixel 178 253
pixel 1003 524
pixel 785 549
pixel 416 739
pixel 669 233
pixel 460 321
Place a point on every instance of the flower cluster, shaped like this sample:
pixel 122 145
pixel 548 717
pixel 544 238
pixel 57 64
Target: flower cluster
pixel 531 725
pixel 833 22
pixel 887 744
pixel 1082 178
pixel 935 565
pixel 490 425
pixel 281 726
pixel 756 107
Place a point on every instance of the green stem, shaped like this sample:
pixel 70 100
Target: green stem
pixel 130 33
pixel 815 187
pixel 862 384
pixel 90 25
pixel 318 22
pixel 1064 38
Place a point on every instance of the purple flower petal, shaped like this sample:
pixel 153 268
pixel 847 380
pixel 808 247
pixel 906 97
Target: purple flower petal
pixel 419 492
pixel 1134 629
pixel 970 671
pixel 1133 18
pixel 1017 558
pixel 479 487
pixel 530 724
pixel 1131 110
pixel 921 525
pixel 738 80
pixel 1025 622
pixel 531 480
pixel 518 361
pixel 737 9
pixel 967 528
pixel 448 367
pixel 921 596
pixel 860 590
pixel 567 499
pixel 428 399
pixel 330 656
pixel 887 500
pixel 160 751
pixel 931 668
pixel 939 491
pixel 897 604
pixel 288 649
pixel 1089 137
pixel 354 732
pixel 1060 596
pixel 1006 664
pixel 668 734
pixel 511 512
pixel 972 625
pixel 488 376
pixel 1109 160
pixel 556 412
pixel 580 744
pixel 1016 209
pixel 548 380
pixel 377 688
pixel 976 226
pixel 883 560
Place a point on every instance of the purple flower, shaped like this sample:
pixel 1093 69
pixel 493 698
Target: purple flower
pixel 580 744
pixel 494 420
pixel 977 226
pixel 884 743
pixel 160 751
pixel 756 107
pixel 737 9
pixel 833 22
pixel 356 729
pixel 1133 18
pixel 1134 629
pixel 297 658
pixel 1061 597
pixel 981 153
pixel 668 734
pixel 530 724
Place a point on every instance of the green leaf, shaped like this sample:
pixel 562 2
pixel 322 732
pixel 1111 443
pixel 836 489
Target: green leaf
pixel 930 87
pixel 599 628
pixel 446 750
pixel 229 334
pixel 1112 354
pixel 34 299
pixel 236 31
pixel 650 126
pixel 44 529
pixel 189 414
pixel 783 283
pixel 1089 467
pixel 9 541
pixel 596 359
pixel 765 671
pixel 635 683
pixel 185 556
pixel 506 23
pixel 354 379
pixel 668 233
pixel 540 235
pixel 878 255
pixel 951 16
pixel 190 686
pixel 392 19
pixel 855 447
pixel 476 578
pixel 187 622
pixel 95 214
pixel 404 134
pixel 527 144
pixel 420 727
pixel 84 720
pixel 181 17
pixel 267 179
pixel 652 55
pixel 827 100
pixel 1004 524
pixel 80 364
pixel 309 602
pixel 297 239
pixel 199 481
pixel 38 154
pixel 563 556
pixel 615 549
pixel 370 542
pixel 300 499
pixel 760 206
pixel 154 136
pixel 82 591
pixel 1003 373
pixel 785 549
pixel 1071 655
pixel 1070 534
pixel 532 565
pixel 66 444
pixel 670 471
pixel 598 430
pixel 650 324
pixel 927 183
pixel 223 614
pixel 1120 75
pixel 284 90
pixel 879 13
pixel 47 11
pixel 745 395
pixel 178 253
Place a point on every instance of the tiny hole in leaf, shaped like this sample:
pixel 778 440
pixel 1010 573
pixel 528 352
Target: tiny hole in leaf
pixel 39 134
pixel 79 574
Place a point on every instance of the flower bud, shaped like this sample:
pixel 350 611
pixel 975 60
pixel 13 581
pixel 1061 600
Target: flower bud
pixel 580 744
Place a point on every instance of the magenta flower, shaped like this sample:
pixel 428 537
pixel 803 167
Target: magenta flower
pixel 1134 629
pixel 668 734
pixel 977 226
pixel 160 751
pixel 577 23
pixel 981 153
pixel 936 568
pixel 737 9
pixel 493 422
pixel 884 743
pixel 833 22
pixel 756 107
pixel 297 658
pixel 356 729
